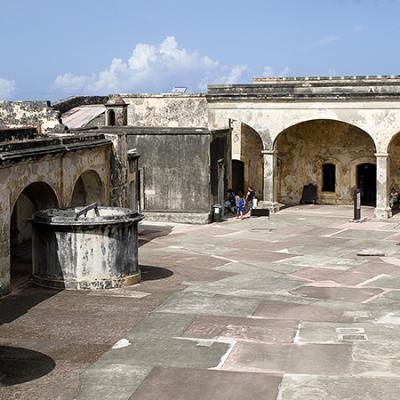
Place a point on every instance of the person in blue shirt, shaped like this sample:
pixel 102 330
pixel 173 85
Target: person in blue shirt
pixel 240 205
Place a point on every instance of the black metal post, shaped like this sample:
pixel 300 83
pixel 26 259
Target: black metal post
pixel 357 204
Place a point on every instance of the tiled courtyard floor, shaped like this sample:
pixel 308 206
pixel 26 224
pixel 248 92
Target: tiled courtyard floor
pixel 237 310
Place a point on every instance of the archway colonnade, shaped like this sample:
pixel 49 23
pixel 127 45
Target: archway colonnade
pixel 300 153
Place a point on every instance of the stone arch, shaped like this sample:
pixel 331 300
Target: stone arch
pixel 393 151
pixel 307 121
pixel 247 147
pixel 301 150
pixel 355 163
pixel 88 188
pixel 110 118
pixel 34 197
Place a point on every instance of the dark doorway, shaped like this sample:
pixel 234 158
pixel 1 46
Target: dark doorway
pixel 35 197
pixel 217 156
pixel 111 118
pixel 329 178
pixel 237 176
pixel 366 181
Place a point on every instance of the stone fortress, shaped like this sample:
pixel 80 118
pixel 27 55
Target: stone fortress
pixel 174 155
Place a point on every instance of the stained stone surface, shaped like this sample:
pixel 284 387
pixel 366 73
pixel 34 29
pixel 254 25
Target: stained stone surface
pixel 326 332
pixel 224 311
pixel 310 359
pixel 301 312
pixel 338 293
pixel 303 387
pixel 181 384
pixel 246 329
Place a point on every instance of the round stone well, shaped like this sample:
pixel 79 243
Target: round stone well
pixel 86 247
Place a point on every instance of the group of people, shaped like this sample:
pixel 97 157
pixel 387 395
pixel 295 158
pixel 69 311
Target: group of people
pixel 237 204
pixel 394 198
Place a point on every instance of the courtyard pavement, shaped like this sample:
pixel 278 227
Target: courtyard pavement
pixel 244 309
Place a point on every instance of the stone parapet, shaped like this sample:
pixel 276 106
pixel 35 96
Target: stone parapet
pixel 297 88
pixel 15 151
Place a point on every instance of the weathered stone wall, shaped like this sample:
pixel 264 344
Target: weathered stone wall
pixel 303 149
pixel 38 114
pixel 169 110
pixel 250 154
pixel 119 168
pixel 394 160
pixel 133 181
pixel 69 103
pixel 60 171
pixel 98 121
pixel 10 134
pixel 175 170
pixel 381 120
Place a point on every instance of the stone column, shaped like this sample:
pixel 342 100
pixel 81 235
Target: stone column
pixel 5 216
pixel 270 180
pixel 382 209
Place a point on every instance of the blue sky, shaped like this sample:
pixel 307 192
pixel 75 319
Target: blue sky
pixel 53 49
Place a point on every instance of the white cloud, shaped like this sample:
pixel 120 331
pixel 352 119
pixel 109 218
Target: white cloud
pixel 324 41
pixel 6 88
pixel 234 75
pixel 152 68
pixel 358 28
pixel 332 72
pixel 270 72
pixel 285 72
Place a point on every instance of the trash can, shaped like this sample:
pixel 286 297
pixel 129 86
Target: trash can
pixel 217 212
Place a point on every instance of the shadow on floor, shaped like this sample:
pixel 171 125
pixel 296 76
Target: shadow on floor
pixel 24 294
pixel 150 273
pixel 18 365
pixel 14 305
pixel 147 233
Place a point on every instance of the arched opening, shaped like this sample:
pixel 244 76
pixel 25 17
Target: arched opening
pixel 323 153
pixel 37 196
pixel 111 117
pixel 88 189
pixel 393 189
pixel 247 160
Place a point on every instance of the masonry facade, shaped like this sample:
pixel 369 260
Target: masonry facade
pixel 174 155
pixel 337 133
pixel 351 123
pixel 41 171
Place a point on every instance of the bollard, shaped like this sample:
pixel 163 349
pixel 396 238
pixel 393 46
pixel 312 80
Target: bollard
pixel 357 205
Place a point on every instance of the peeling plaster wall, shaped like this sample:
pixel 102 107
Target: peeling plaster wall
pixel 250 153
pixel 28 113
pixel 303 149
pixel 119 169
pixel 169 110
pixel 394 156
pixel 380 119
pixel 176 171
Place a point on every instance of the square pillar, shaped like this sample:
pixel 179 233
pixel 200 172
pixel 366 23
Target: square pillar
pixel 382 209
pixel 4 245
pixel 270 180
